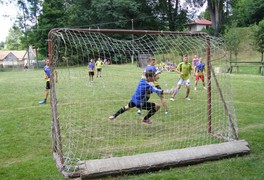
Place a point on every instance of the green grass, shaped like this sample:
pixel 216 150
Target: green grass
pixel 25 133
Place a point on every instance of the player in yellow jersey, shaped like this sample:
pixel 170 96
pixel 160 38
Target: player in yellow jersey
pixel 184 70
pixel 99 64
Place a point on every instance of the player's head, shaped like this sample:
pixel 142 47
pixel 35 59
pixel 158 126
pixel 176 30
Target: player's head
pixel 151 61
pixel 47 62
pixel 150 75
pixel 200 59
pixel 185 58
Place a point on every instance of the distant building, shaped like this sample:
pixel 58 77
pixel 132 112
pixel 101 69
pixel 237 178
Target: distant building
pixel 199 24
pixel 17 58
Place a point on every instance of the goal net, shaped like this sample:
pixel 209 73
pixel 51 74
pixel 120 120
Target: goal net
pixel 81 131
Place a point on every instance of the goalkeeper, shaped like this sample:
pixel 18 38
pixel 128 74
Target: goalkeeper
pixel 140 100
pixel 151 66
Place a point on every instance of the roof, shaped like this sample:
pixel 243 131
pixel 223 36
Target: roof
pixel 201 22
pixel 18 54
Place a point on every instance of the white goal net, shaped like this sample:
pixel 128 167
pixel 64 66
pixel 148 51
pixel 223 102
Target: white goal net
pixel 80 106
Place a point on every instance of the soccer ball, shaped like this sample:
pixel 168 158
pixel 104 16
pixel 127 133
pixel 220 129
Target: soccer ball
pixel 169 91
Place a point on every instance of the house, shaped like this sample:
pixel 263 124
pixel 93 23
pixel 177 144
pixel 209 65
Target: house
pixel 17 58
pixel 199 24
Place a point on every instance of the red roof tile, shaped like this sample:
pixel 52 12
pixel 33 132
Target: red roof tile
pixel 202 21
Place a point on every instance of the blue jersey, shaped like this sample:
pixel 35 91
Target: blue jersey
pixel 47 71
pixel 143 90
pixel 91 66
pixel 200 67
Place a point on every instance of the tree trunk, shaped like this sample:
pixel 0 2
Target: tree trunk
pixel 216 10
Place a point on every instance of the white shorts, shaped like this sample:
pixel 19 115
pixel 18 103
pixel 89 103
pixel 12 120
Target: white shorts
pixel 184 82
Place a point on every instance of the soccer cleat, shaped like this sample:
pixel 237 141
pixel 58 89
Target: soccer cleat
pixel 111 118
pixel 204 88
pixel 139 112
pixel 172 99
pixel 195 88
pixel 147 121
pixel 42 102
pixel 166 112
pixel 187 98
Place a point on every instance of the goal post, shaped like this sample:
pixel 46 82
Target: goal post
pixel 86 144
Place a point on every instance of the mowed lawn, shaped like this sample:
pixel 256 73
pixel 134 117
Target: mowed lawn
pixel 25 133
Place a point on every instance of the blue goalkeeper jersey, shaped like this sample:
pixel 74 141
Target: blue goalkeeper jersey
pixel 47 71
pixel 143 90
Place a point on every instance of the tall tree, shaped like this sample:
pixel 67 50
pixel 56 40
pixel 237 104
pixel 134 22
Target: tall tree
pixel 27 18
pixel 170 12
pixel 232 41
pixel 248 12
pixel 258 37
pixel 52 16
pixel 216 8
pixel 13 41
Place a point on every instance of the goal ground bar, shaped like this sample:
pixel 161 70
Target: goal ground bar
pixel 160 160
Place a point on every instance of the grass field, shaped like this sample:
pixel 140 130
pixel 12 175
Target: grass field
pixel 25 137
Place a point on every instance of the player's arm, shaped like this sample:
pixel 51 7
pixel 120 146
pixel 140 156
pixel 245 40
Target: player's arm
pixel 155 90
pixel 178 71
pixel 55 73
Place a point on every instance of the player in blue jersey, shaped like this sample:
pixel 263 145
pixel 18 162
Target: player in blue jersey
pixel 151 66
pixel 91 68
pixel 199 73
pixel 47 71
pixel 140 100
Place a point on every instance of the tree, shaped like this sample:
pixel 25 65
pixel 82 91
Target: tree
pixel 13 39
pixel 52 16
pixel 27 19
pixel 216 13
pixel 258 38
pixel 2 45
pixel 171 13
pixel 232 41
pixel 219 11
pixel 247 12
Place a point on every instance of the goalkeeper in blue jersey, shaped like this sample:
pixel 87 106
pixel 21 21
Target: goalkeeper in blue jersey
pixel 47 72
pixel 140 100
pixel 151 66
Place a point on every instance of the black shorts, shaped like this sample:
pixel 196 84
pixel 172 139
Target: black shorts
pixel 48 85
pixel 99 69
pixel 144 105
pixel 91 73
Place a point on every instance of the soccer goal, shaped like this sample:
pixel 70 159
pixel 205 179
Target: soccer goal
pixel 86 144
